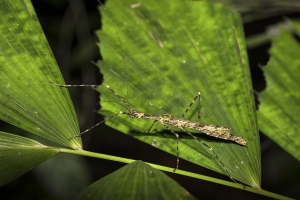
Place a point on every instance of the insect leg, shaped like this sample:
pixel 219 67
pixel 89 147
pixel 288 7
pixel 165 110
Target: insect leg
pixel 108 118
pixel 151 126
pixel 94 86
pixel 177 149
pixel 211 149
pixel 198 106
pixel 62 85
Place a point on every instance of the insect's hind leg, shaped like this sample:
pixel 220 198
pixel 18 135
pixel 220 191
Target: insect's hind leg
pixel 198 106
pixel 177 139
pixel 177 148
pixel 211 149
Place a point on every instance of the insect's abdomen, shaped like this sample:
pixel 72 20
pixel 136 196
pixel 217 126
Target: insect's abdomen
pixel 221 132
pixel 211 130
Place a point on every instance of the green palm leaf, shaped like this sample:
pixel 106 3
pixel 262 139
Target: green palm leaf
pixel 135 181
pixel 19 155
pixel 278 114
pixel 172 51
pixel 27 99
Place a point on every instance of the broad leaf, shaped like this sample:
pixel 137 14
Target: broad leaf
pixel 27 65
pixel 19 155
pixel 135 181
pixel 278 114
pixel 174 49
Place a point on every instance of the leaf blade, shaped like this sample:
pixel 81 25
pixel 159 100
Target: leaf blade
pixel 146 183
pixel 278 110
pixel 27 99
pixel 19 155
pixel 162 52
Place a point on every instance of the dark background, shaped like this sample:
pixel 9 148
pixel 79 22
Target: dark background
pixel 69 27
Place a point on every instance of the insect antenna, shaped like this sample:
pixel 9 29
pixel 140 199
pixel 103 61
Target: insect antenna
pixel 127 107
pixel 119 104
pixel 123 54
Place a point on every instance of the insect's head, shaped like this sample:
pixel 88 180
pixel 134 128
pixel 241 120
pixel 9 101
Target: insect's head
pixel 135 114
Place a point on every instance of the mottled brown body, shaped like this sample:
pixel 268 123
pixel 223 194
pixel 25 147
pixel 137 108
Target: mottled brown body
pixel 211 130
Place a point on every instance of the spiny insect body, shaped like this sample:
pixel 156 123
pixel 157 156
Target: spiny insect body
pixel 211 130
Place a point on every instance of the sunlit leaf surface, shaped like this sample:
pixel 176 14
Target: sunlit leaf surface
pixel 135 181
pixel 27 65
pixel 279 109
pixel 19 155
pixel 174 49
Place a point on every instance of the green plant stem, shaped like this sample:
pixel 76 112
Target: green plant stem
pixel 171 170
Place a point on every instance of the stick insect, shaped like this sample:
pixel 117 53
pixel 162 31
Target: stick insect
pixel 168 119
pixel 179 122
